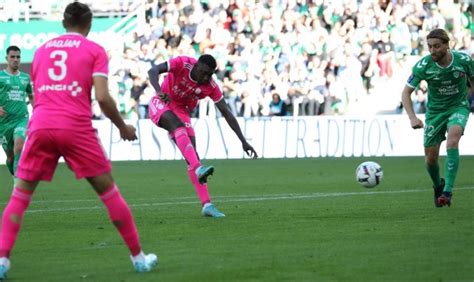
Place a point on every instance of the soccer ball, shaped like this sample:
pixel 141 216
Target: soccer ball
pixel 369 174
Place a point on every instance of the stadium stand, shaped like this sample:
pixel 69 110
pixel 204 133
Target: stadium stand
pixel 322 57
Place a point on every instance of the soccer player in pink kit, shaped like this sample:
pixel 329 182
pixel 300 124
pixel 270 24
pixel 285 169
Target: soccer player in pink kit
pixel 187 81
pixel 64 70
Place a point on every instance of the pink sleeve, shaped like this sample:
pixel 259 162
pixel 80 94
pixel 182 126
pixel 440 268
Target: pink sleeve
pixel 175 64
pixel 101 63
pixel 216 94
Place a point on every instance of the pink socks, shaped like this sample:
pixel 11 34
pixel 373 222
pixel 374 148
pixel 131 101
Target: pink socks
pixel 122 218
pixel 201 189
pixel 184 144
pixel 12 219
pixel 117 208
pixel 186 147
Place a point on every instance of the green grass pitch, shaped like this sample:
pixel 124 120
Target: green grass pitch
pixel 287 220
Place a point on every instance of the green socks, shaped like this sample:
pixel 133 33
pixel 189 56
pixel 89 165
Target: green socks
pixel 451 168
pixel 433 171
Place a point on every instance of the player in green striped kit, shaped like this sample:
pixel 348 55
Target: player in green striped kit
pixel 14 87
pixel 447 73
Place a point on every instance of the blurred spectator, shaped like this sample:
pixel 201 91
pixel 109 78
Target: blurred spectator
pixel 277 106
pixel 229 90
pixel 250 96
pixel 144 100
pixel 400 33
pixel 415 15
pixel 207 42
pixel 419 98
pixel 136 92
pixel 336 101
pixel 433 19
pixel 385 57
pixel 369 68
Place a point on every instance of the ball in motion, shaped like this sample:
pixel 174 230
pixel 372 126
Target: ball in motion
pixel 369 174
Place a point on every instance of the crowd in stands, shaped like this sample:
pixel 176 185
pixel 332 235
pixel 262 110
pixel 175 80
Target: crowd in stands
pixel 288 57
pixel 310 57
pixel 26 10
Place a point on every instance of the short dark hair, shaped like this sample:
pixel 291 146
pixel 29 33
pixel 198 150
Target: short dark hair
pixel 440 34
pixel 13 48
pixel 77 14
pixel 208 60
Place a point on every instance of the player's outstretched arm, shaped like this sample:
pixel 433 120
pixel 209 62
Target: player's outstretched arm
pixel 408 105
pixel 109 108
pixel 154 73
pixel 232 121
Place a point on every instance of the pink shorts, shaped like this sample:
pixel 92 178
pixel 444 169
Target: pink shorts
pixel 156 108
pixel 82 152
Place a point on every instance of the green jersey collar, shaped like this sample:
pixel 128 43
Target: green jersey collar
pixel 12 74
pixel 452 60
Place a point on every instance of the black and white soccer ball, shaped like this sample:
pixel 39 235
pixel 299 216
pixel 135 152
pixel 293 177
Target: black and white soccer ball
pixel 369 174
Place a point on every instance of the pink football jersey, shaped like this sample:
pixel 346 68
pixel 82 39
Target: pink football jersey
pixel 62 72
pixel 185 92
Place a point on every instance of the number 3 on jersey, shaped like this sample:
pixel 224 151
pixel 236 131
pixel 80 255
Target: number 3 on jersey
pixel 59 58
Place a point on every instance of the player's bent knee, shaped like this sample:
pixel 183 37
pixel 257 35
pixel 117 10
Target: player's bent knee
pixel 453 141
pixel 170 121
pixel 431 158
pixel 101 183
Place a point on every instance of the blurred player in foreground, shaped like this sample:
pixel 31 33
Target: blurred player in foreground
pixel 64 70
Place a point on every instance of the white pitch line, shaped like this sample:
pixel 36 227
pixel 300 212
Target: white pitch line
pixel 248 198
pixel 97 199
